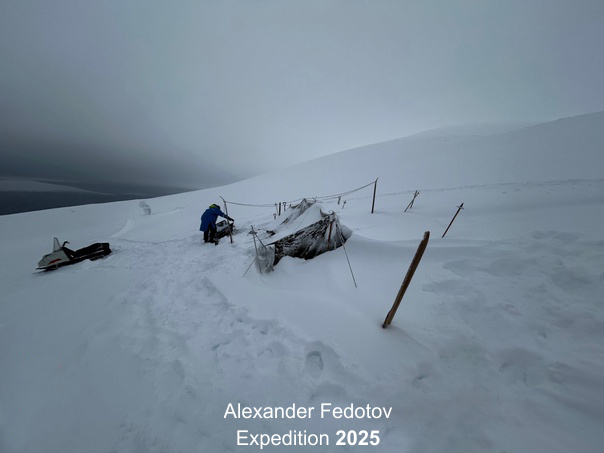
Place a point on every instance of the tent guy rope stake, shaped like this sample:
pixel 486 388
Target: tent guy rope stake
pixel 459 208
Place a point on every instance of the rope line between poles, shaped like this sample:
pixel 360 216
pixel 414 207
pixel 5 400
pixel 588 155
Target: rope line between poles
pixel 325 197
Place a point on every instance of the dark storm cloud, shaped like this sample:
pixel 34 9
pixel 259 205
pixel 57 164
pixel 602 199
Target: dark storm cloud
pixel 207 90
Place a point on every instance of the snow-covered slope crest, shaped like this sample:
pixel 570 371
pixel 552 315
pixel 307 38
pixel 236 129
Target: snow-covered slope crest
pixel 497 345
pixel 562 150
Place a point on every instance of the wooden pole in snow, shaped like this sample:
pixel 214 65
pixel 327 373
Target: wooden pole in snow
pixel 374 191
pixel 410 205
pixel 459 208
pixel 401 292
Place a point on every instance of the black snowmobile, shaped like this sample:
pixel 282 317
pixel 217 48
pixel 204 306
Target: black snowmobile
pixel 62 256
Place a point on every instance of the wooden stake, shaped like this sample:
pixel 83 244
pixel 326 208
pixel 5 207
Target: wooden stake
pixel 329 236
pixel 410 205
pixel 374 191
pixel 401 292
pixel 459 208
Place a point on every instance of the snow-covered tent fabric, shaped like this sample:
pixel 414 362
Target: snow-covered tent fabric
pixel 306 231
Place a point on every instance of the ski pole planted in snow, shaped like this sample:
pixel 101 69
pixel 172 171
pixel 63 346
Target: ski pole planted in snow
pixel 401 292
pixel 459 208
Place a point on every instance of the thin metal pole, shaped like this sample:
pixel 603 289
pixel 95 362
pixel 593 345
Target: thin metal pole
pixel 339 229
pixel 459 208
pixel 349 266
pixel 249 267
pixel 256 247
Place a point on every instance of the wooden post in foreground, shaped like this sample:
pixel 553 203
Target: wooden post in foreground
pixel 401 292
pixel 374 190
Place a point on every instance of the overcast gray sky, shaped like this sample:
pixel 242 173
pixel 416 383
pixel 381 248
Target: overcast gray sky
pixel 199 92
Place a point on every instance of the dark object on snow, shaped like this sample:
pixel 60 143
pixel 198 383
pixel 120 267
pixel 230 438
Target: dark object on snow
pixel 410 205
pixel 311 239
pixel 224 228
pixel 459 208
pixel 62 256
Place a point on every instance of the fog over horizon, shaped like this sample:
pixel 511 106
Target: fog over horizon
pixel 203 93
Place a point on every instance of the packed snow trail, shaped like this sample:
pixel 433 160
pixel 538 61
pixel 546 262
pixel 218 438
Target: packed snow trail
pixel 197 351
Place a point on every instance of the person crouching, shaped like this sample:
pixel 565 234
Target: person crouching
pixel 208 223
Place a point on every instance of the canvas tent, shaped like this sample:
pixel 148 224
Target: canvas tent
pixel 304 231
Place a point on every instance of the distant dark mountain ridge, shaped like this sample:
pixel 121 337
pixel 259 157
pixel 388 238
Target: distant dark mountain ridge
pixel 44 195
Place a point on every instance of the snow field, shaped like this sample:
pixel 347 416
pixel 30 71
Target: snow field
pixel 497 345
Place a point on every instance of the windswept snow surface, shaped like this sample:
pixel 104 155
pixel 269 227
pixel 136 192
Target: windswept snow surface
pixel 497 346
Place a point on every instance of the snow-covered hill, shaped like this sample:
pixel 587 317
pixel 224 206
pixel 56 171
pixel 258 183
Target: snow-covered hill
pixel 497 345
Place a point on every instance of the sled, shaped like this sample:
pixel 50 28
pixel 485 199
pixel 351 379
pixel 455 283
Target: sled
pixel 224 228
pixel 63 256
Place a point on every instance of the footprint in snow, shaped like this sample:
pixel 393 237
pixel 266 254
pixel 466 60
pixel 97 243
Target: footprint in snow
pixel 314 364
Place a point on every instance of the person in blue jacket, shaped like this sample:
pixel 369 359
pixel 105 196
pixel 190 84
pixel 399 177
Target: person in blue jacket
pixel 208 222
